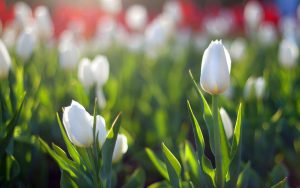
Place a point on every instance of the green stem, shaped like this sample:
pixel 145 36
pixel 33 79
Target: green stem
pixel 218 156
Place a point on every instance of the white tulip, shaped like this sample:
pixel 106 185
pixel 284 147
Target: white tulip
pixel 173 9
pixel 85 73
pixel 121 147
pixel 79 125
pixel 101 130
pixel 26 43
pixel 23 14
pixel 288 53
pixel 227 123
pixel 43 22
pixel 254 87
pixel 100 69
pixel 100 97
pixel 136 17
pixel 253 14
pixel 267 34
pixel 9 35
pixel 260 86
pixel 237 49
pixel 68 52
pixel 105 32
pixel 249 88
pixel 200 41
pixel 111 6
pixel 215 68
pixel 5 61
pixel 219 26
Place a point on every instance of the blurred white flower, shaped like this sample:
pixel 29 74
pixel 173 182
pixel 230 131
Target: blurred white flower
pixel 78 124
pixel 288 28
pixel 23 14
pixel 100 69
pixel 227 123
pixel 85 73
pixel 68 51
pixel 43 22
pixel 105 33
pixel 288 53
pixel 260 86
pixel 219 26
pixel 215 68
pixel 173 9
pixel 200 41
pixel 238 49
pixel 100 97
pixel 136 17
pixel 121 148
pixel 135 42
pixel 267 34
pixel 254 87
pixel 253 15
pixel 9 35
pixel 111 6
pixel 5 61
pixel 26 43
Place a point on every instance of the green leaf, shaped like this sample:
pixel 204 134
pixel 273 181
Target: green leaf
pixel 281 184
pixel 237 134
pixel 159 165
pixel 13 167
pixel 66 180
pixel 243 177
pixel 137 179
pixel 71 149
pixel 11 125
pixel 204 162
pixel 173 167
pixel 107 151
pixel 161 184
pixel 207 114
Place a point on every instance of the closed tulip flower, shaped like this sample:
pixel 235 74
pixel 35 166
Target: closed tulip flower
pixel 227 123
pixel 267 34
pixel 26 43
pixel 260 86
pixel 215 68
pixel 288 53
pixel 136 17
pixel 254 87
pixel 23 14
pixel 79 125
pixel 253 14
pixel 43 22
pixel 237 49
pixel 85 73
pixel 68 54
pixel 120 148
pixel 5 61
pixel 100 68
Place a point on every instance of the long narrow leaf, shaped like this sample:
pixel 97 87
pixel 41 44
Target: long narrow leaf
pixel 159 165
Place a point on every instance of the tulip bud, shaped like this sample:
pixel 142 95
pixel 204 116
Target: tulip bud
pixel 227 123
pixel 43 22
pixel 68 54
pixel 26 43
pixel 5 61
pixel 267 34
pixel 260 86
pixel 253 14
pixel 23 14
pixel 9 35
pixel 215 68
pixel 136 17
pixel 237 49
pixel 120 148
pixel 288 53
pixel 111 6
pixel 78 124
pixel 254 87
pixel 173 9
pixel 100 69
pixel 85 73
